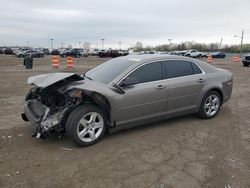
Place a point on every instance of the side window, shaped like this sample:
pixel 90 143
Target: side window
pixel 178 68
pixel 148 73
pixel 196 69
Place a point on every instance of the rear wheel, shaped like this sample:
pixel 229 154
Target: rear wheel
pixel 86 125
pixel 210 105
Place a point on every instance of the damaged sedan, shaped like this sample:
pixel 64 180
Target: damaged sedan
pixel 122 93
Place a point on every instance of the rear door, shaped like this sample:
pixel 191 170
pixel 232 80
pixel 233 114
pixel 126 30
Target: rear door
pixel 185 82
pixel 147 98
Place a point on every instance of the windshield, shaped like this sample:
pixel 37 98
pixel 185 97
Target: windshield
pixel 109 70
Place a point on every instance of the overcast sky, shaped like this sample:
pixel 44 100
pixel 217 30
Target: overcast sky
pixel 127 21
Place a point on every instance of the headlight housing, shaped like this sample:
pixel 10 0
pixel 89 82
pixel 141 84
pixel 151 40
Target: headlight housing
pixel 75 93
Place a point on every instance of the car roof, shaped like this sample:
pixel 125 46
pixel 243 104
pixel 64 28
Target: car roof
pixel 139 59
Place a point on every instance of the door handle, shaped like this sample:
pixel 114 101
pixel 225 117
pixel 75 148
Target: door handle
pixel 160 87
pixel 201 80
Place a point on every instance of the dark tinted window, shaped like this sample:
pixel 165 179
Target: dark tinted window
pixel 196 69
pixel 148 73
pixel 177 68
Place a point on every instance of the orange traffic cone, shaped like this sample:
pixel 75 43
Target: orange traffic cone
pixel 55 62
pixel 236 59
pixel 209 58
pixel 69 62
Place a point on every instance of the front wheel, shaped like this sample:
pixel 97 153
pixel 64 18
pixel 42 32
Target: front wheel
pixel 210 105
pixel 86 125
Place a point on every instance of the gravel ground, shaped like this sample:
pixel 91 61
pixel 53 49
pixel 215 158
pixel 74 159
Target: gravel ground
pixel 182 152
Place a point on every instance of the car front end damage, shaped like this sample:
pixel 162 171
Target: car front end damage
pixel 47 108
pixel 53 97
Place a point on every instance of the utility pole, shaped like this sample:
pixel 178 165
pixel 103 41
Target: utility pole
pixel 102 44
pixel 221 42
pixel 51 40
pixel 120 43
pixel 241 44
pixel 169 40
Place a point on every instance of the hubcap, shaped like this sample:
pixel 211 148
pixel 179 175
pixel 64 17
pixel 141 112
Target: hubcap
pixel 90 127
pixel 212 105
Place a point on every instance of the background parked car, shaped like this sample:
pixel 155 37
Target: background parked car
pixel 246 60
pixel 1 51
pixel 45 51
pixel 123 52
pixel 55 52
pixel 109 53
pixel 193 53
pixel 218 55
pixel 8 51
pixel 34 53
pixel 72 53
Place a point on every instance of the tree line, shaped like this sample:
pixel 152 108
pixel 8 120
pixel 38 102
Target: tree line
pixel 193 45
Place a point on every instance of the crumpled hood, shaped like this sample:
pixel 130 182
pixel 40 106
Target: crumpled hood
pixel 44 80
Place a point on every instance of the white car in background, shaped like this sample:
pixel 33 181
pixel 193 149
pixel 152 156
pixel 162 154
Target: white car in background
pixel 194 53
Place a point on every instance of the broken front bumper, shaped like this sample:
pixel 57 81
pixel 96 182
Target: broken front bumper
pixel 39 115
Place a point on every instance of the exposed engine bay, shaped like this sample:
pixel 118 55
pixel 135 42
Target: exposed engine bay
pixel 47 108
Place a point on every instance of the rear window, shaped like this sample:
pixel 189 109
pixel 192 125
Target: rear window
pixel 179 68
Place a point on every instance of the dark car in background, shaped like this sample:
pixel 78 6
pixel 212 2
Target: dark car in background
pixel 109 53
pixel 55 52
pixel 1 51
pixel 246 60
pixel 71 52
pixel 8 51
pixel 45 51
pixel 218 55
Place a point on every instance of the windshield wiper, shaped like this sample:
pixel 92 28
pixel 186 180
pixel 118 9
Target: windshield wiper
pixel 119 89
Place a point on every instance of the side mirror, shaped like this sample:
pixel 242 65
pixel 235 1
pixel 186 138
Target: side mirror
pixel 129 81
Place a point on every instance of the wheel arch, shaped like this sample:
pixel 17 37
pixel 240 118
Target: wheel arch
pixel 99 100
pixel 219 91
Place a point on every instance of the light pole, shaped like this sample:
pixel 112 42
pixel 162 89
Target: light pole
pixel 102 44
pixel 169 40
pixel 221 42
pixel 79 44
pixel 120 43
pixel 241 43
pixel 51 43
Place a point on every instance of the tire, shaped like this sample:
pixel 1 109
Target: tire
pixel 245 64
pixel 81 129
pixel 210 105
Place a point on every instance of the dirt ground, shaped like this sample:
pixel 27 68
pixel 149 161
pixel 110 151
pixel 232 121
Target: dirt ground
pixel 182 152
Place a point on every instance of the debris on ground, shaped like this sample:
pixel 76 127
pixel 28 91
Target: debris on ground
pixel 67 149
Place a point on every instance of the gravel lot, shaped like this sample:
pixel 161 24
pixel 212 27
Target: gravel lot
pixel 183 152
